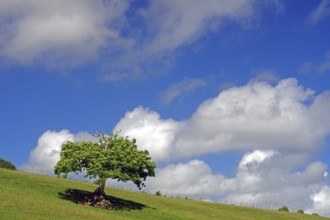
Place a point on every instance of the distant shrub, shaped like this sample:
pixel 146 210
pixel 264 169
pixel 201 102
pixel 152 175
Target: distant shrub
pixel 284 209
pixel 315 214
pixel 158 193
pixel 300 211
pixel 6 164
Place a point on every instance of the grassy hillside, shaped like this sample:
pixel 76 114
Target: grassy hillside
pixel 30 196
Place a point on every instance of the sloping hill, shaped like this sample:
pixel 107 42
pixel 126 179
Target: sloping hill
pixel 30 196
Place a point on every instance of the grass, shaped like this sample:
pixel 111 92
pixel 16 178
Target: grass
pixel 30 196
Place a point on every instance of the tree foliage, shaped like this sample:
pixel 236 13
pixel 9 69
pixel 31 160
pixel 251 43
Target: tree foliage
pixel 112 157
pixel 301 211
pixel 6 164
pixel 284 209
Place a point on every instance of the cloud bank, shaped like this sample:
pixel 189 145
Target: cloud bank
pixel 260 175
pixel 126 38
pixel 284 117
pixel 279 127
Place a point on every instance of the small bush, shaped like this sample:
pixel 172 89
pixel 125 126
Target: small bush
pixel 6 164
pixel 300 211
pixel 315 214
pixel 284 209
pixel 158 193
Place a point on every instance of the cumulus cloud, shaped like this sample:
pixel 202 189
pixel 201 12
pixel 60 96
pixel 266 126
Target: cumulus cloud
pixel 321 202
pixel 258 115
pixel 251 160
pixel 265 175
pixel 286 121
pixel 260 175
pixel 47 152
pixel 193 179
pixel 321 12
pixel 181 89
pixel 152 132
pixel 65 32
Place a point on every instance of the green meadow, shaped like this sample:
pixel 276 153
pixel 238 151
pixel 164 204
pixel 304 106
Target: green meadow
pixel 30 196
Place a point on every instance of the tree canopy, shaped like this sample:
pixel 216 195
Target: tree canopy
pixel 6 164
pixel 112 157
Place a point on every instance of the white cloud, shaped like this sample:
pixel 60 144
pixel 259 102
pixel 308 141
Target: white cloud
pixel 69 33
pixel 287 122
pixel 272 178
pixel 321 202
pixel 285 117
pixel 152 133
pixel 176 23
pixel 182 88
pixel 47 152
pixel 65 32
pixel 252 159
pixel 321 12
pixel 194 178
pixel 167 26
pixel 260 175
pixel 321 68
pixel 268 75
pixel 255 116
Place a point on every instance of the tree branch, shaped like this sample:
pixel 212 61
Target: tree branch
pixel 103 139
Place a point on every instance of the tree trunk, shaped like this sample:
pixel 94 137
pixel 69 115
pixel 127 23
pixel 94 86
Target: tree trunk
pixel 99 198
pixel 100 189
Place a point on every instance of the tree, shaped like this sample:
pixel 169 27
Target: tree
pixel 6 164
pixel 300 211
pixel 284 209
pixel 112 157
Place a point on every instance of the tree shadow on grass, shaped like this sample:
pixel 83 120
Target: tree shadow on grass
pixel 82 197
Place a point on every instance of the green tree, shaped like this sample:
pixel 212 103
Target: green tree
pixel 112 157
pixel 300 211
pixel 284 209
pixel 6 164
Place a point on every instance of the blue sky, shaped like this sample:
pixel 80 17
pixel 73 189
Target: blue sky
pixel 220 92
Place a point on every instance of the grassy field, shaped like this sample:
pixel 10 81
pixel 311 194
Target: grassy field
pixel 30 196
